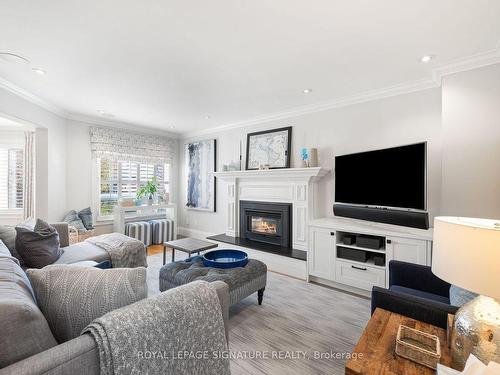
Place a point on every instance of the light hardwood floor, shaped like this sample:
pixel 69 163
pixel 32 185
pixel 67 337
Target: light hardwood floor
pixel 295 316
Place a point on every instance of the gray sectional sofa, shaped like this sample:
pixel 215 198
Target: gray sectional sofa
pixel 27 345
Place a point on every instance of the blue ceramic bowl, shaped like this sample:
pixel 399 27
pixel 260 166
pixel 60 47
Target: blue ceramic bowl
pixel 225 258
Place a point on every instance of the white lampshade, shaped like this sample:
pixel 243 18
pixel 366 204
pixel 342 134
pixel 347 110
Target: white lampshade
pixel 466 253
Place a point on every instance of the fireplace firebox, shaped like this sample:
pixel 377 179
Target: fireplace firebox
pixel 267 222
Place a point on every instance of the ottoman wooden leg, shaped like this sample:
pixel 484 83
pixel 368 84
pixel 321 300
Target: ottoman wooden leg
pixel 260 295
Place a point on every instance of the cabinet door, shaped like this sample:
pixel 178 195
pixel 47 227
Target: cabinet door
pixel 407 250
pixel 321 253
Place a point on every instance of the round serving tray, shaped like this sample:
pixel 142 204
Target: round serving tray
pixel 226 258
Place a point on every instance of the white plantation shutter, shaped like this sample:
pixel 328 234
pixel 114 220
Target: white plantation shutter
pixel 122 179
pixel 16 173
pixel 11 170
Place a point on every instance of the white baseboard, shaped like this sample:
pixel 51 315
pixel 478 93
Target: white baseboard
pixel 195 233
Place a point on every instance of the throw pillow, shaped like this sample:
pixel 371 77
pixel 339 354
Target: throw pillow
pixel 85 216
pixel 74 220
pixel 8 236
pixel 39 246
pixel 72 297
pixel 459 296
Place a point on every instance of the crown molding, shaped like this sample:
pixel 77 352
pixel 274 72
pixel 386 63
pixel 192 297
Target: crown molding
pixel 460 65
pixel 438 72
pixel 469 63
pixel 363 97
pixel 22 93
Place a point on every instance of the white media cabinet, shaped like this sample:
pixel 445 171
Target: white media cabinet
pixel 327 266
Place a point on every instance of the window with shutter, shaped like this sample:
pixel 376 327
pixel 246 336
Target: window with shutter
pixel 122 179
pixel 11 171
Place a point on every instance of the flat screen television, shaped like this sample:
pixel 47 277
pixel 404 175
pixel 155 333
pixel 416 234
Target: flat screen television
pixel 389 178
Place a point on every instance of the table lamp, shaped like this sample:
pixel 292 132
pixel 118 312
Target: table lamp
pixel 466 253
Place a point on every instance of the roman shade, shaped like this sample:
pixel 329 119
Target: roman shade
pixel 120 144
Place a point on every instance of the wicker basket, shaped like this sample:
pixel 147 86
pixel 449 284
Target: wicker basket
pixel 75 236
pixel 418 346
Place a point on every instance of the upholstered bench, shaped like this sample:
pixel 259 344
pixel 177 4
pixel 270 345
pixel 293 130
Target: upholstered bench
pixel 242 281
pixel 163 230
pixel 140 230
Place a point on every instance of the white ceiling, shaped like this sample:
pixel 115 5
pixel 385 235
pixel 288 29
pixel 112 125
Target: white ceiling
pixel 162 63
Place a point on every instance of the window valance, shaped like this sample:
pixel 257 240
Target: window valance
pixel 120 144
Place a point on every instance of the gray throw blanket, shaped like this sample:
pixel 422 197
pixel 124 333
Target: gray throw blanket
pixel 180 331
pixel 124 251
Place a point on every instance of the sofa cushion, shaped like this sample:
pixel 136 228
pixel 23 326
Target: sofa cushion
pixel 25 331
pixel 419 293
pixel 85 216
pixel 71 297
pixel 39 246
pixel 8 236
pixel 82 251
pixel 74 220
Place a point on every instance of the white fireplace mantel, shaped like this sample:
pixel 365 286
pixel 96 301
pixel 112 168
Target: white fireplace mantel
pixel 289 185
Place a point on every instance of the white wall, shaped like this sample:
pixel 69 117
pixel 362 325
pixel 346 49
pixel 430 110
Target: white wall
pixel 383 123
pixel 471 136
pixel 51 152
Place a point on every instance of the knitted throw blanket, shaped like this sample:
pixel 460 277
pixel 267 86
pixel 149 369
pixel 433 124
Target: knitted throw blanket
pixel 124 251
pixel 180 331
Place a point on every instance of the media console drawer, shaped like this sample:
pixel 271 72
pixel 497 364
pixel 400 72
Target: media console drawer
pixel 359 275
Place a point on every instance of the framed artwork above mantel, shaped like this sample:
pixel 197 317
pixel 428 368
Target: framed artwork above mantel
pixel 269 149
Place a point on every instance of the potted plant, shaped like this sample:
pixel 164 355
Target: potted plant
pixel 148 190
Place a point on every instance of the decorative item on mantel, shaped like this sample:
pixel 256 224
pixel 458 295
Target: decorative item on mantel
pixel 309 157
pixel 269 147
pixel 466 253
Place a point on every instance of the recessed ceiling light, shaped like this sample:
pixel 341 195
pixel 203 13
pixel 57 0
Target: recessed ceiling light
pixel 171 126
pixel 427 58
pixel 39 71
pixel 208 117
pixel 307 91
pixel 13 58
pixel 101 111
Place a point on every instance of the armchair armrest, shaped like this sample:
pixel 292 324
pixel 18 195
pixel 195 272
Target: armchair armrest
pixel 425 310
pixel 77 356
pixel 222 290
pixel 418 277
pixel 63 231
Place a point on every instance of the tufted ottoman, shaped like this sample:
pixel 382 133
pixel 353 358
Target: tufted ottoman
pixel 242 281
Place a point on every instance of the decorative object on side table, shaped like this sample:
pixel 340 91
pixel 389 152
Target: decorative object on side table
pixel 269 147
pixel 418 346
pixel 225 258
pixel 309 157
pixel 466 252
pixel 200 165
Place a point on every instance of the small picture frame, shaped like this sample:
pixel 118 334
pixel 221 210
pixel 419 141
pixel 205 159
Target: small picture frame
pixel 269 149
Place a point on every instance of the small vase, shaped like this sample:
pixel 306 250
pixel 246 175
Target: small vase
pixel 150 201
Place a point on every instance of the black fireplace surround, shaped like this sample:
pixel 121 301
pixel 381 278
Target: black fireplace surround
pixel 266 222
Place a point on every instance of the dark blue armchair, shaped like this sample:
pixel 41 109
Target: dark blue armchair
pixel 414 291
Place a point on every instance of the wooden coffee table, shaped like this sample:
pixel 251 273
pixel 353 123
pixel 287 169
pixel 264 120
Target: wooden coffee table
pixel 188 245
pixel 378 347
